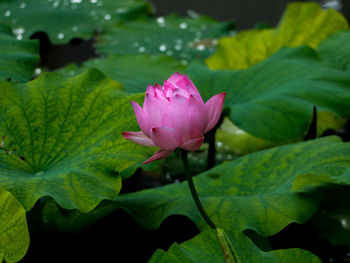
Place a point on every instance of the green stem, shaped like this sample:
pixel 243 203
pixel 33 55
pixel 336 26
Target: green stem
pixel 193 190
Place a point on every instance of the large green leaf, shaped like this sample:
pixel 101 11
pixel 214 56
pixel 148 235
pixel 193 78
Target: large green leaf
pixel 264 191
pixel 273 100
pixel 64 20
pixel 302 24
pixel 67 139
pixel 335 51
pixel 205 248
pixel 183 38
pixel 18 59
pixel 14 235
pixel 149 69
pixel 252 191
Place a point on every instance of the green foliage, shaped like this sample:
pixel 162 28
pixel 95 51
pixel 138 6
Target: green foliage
pixel 182 38
pixel 253 192
pixel 61 133
pixel 302 24
pixel 64 20
pixel 14 236
pixel 205 248
pixel 273 100
pixel 63 139
pixel 134 72
pixel 234 140
pixel 18 59
pixel 334 51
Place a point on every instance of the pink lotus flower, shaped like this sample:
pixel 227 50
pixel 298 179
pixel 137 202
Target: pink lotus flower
pixel 174 116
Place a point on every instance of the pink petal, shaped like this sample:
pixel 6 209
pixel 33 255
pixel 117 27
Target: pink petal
pixel 150 90
pixel 169 89
pixel 214 107
pixel 154 108
pixel 194 144
pixel 175 77
pixel 190 86
pixel 166 138
pixel 183 82
pixel 138 137
pixel 142 118
pixel 189 116
pixel 158 155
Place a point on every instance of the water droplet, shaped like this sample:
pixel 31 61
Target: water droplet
pixel 169 53
pixel 60 36
pixel 135 44
pixel 333 4
pixel 179 41
pixel 184 62
pixel 8 13
pixel 22 5
pixel 161 21
pixel 344 222
pixel 107 17
pixel 99 3
pixel 93 13
pixel 200 47
pixel 75 1
pixel 183 25
pixel 37 71
pixel 162 47
pixel 75 28
pixel 142 49
pixel 18 31
pixel 93 1
pixel 219 156
pixel 56 4
pixel 121 10
pixel 178 47
pixel 39 173
pixel 219 144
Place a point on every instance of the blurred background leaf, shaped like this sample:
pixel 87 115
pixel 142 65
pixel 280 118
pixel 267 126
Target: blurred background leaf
pixel 64 20
pixel 135 72
pixel 18 59
pixel 181 37
pixel 301 24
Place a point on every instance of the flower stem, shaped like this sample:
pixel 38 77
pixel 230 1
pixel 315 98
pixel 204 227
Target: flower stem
pixel 193 190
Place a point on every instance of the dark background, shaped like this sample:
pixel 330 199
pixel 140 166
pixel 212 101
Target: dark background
pixel 245 13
